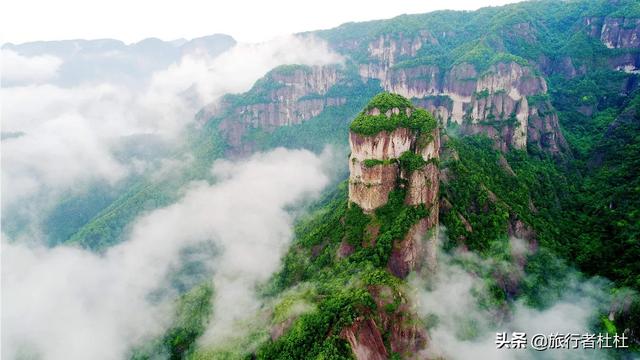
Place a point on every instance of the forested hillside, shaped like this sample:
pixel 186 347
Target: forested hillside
pixel 518 124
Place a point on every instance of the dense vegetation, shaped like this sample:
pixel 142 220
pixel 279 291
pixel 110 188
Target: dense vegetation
pixel 585 210
pixel 192 316
pixel 605 211
pixel 583 205
pixel 144 193
pixel 490 34
pixel 340 281
pixel 417 119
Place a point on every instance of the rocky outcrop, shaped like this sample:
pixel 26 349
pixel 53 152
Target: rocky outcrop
pixel 287 95
pixel 394 317
pixel 389 48
pixel 365 340
pixel 494 102
pixel 617 33
pixel 614 32
pixel 370 185
pixel 418 247
pixel 620 32
pixel 376 169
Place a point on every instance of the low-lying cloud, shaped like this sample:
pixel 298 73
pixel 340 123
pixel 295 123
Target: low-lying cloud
pixel 465 329
pixel 23 69
pixel 68 303
pixel 59 138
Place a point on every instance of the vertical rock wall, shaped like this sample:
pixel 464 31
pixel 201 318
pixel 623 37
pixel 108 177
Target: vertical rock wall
pixel 375 173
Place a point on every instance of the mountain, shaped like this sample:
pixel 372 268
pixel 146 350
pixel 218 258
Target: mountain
pixel 487 72
pixel 528 97
pixel 109 60
pixel 529 76
pixel 374 232
pixel 513 122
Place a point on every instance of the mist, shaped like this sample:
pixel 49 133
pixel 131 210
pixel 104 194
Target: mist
pixel 64 302
pixel 59 139
pixel 69 303
pixel 35 69
pixel 461 327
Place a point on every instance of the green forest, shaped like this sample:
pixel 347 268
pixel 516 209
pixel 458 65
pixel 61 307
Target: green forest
pixel 579 207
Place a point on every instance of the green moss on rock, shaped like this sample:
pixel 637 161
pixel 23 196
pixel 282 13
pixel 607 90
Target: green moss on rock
pixel 410 161
pixel 366 124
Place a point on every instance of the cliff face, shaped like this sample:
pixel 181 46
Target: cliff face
pixel 405 336
pixel 482 78
pixel 422 189
pixel 369 186
pixel 615 32
pixel 365 340
pixel 495 103
pixel 375 172
pixel 394 147
pixel 388 48
pixel 286 96
pixel 376 169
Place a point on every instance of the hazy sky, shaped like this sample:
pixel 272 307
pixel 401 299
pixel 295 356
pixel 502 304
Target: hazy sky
pixel 246 20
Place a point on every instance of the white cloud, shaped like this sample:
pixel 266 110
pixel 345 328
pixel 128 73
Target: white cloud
pixel 67 303
pixel 22 69
pixel 237 69
pixel 69 133
pixel 467 330
pixel 58 153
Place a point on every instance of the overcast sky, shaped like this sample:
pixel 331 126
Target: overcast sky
pixel 246 20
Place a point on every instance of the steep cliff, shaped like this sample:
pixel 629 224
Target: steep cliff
pixel 285 96
pixel 494 102
pixel 621 34
pixel 396 145
pixel 615 32
pixel 355 251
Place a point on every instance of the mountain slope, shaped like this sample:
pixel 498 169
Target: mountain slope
pixel 537 104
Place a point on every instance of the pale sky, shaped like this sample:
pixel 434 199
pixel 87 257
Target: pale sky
pixel 245 20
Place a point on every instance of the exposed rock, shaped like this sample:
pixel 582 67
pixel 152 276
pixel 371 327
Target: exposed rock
pixel 388 49
pixel 620 33
pixel 369 187
pixel 382 146
pixel 628 63
pixel 521 230
pixel 418 247
pixel 284 97
pixel 504 164
pixel 406 336
pixel 345 249
pixel 423 186
pixel 593 25
pixel 544 129
pixel 465 222
pixel 494 103
pixel 375 173
pixel 279 329
pixel 365 340
pixel 617 33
